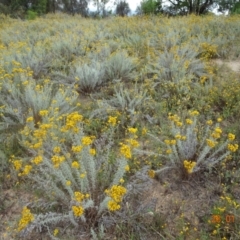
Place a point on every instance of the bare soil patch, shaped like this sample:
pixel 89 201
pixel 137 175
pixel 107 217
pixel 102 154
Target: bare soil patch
pixel 233 65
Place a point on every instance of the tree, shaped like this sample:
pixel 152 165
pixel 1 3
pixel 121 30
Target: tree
pixel 150 7
pixel 76 6
pixel 190 6
pixel 101 7
pixel 228 5
pixel 236 8
pixel 122 8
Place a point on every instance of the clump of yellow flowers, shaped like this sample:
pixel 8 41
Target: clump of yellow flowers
pixel 116 194
pixel 78 209
pixel 189 165
pixel 26 218
pixel 131 143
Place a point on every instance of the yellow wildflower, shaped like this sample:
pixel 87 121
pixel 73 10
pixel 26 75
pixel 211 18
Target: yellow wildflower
pixel 133 142
pixel 92 151
pixel 82 175
pixel 127 168
pixel 189 165
pixel 26 218
pixel 17 164
pixel 209 122
pixel 178 136
pixel 37 160
pixel 43 113
pixel 151 173
pixel 26 170
pixel 57 149
pixel 75 164
pixel 126 151
pixel 29 119
pixel 144 131
pixel 183 138
pixel 113 206
pixel 121 180
pixel 112 120
pixel 132 130
pixel 231 137
pixel 211 143
pixel 116 193
pixel 78 196
pixel 194 113
pixel 179 124
pixel 189 121
pixel 86 141
pixel 55 232
pixel 76 149
pixel 77 211
pixel 233 147
pixel 68 183
pixel 168 151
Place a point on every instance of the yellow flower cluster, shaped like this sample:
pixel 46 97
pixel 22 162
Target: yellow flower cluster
pixel 57 149
pixel 37 160
pixel 26 170
pixel 68 183
pixel 232 147
pixel 26 218
pixel 134 143
pixel 132 130
pixel 77 149
pixel 208 50
pixel 127 168
pixel 92 151
pixel 29 119
pixel 40 134
pixel 57 160
pixel 116 193
pixel 71 122
pixel 17 164
pixel 168 151
pixel 75 164
pixel 86 141
pixel 176 119
pixel 55 232
pixel 189 165
pixel 189 121
pixel 180 137
pixel 170 142
pixel 151 173
pixel 217 133
pixel 209 122
pixel 43 113
pixel 125 150
pixel 77 211
pixel 231 137
pixel 78 196
pixel 211 143
pixel 112 120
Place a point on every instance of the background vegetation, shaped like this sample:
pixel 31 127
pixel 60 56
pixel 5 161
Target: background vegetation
pixel 31 8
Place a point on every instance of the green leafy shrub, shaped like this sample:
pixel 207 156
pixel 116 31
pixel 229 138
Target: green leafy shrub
pixel 31 15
